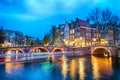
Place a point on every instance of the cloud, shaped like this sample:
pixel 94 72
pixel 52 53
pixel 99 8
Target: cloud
pixel 101 3
pixel 40 7
pixel 17 16
pixel 31 15
pixel 46 8
pixel 53 7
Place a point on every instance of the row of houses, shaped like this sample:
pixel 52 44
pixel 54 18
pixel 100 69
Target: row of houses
pixel 80 33
pixel 13 38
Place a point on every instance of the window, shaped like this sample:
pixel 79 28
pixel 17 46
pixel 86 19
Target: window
pixel 61 33
pixel 72 31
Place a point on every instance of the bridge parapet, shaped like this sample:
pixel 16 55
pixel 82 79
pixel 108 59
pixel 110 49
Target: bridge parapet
pixel 87 50
pixel 28 49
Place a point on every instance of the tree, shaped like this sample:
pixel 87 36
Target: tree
pixel 106 16
pixel 1 37
pixel 46 39
pixel 95 17
pixel 115 21
pixel 28 40
pixel 32 43
pixel 37 42
pixel 104 20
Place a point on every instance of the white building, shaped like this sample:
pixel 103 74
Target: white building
pixel 13 38
pixel 66 34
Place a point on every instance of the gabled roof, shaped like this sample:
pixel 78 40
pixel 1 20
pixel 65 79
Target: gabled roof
pixel 83 23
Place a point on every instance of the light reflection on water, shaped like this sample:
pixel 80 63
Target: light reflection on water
pixel 10 67
pixel 101 64
pixel 83 68
pixel 73 68
pixel 64 67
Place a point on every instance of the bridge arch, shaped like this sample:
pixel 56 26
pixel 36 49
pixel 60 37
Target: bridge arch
pixel 15 50
pixel 101 50
pixel 58 50
pixel 39 49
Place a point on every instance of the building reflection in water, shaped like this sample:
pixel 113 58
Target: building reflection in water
pixel 73 69
pixel 9 67
pixel 78 68
pixel 81 69
pixel 64 67
pixel 101 66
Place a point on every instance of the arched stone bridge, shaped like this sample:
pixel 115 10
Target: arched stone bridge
pixel 32 49
pixel 106 50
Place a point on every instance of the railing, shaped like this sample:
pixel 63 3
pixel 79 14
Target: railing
pixel 24 55
pixel 40 55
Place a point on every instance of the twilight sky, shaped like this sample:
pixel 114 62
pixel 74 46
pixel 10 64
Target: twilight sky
pixel 35 17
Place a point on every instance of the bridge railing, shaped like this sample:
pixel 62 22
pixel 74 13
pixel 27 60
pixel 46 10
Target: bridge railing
pixel 24 55
pixel 41 54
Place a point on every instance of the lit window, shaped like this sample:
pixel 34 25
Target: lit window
pixel 72 31
pixel 61 33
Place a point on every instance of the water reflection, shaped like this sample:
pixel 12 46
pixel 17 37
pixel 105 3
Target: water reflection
pixel 81 69
pixel 9 67
pixel 64 67
pixel 72 69
pixel 95 67
pixel 101 66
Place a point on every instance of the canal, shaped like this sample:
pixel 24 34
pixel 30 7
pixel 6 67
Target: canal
pixel 82 68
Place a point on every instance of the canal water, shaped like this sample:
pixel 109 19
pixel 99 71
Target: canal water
pixel 82 68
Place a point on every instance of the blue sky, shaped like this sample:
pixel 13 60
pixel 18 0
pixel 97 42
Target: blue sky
pixel 35 17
